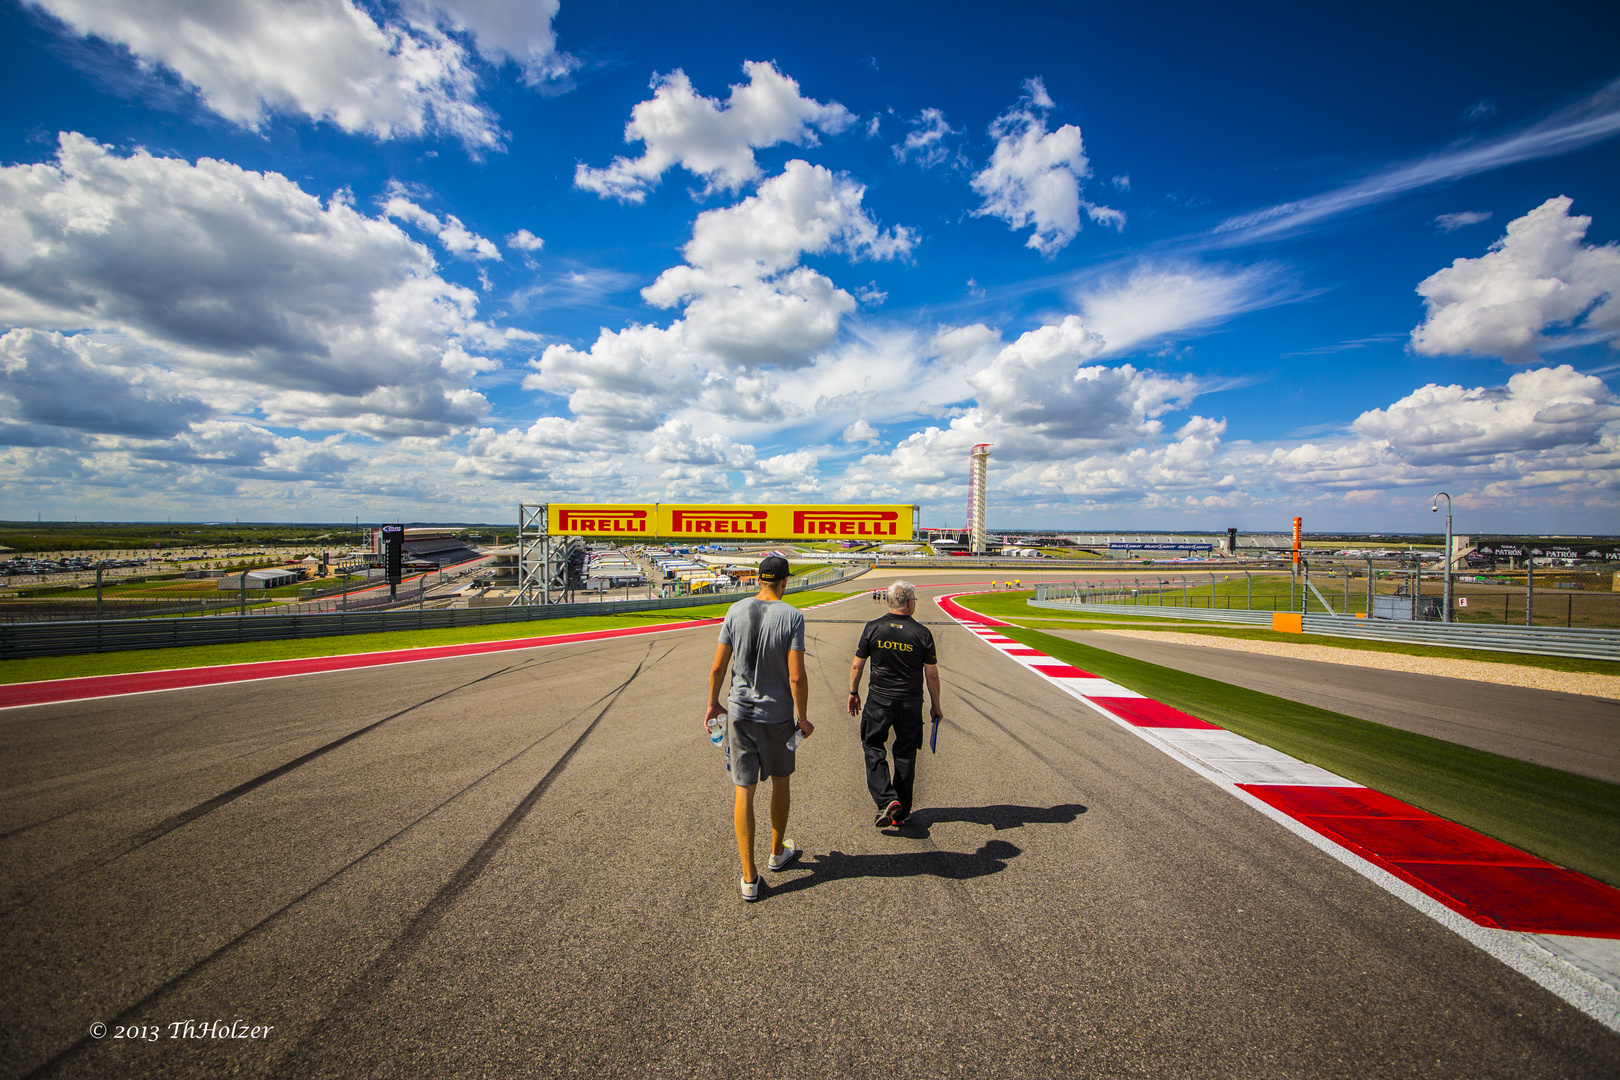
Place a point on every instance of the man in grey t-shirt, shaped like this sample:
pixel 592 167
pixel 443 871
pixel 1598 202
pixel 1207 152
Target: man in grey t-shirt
pixel 762 650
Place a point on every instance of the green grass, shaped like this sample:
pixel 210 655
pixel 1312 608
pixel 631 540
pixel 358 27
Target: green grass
pixel 1012 607
pixel 1568 819
pixel 31 669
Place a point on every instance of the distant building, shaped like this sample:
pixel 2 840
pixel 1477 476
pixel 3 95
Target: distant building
pixel 259 579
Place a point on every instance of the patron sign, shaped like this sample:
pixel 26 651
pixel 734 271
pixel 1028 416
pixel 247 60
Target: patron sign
pixel 684 521
pixel 1544 549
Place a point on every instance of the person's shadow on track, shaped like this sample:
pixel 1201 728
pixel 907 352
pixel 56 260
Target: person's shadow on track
pixel 991 858
pixel 999 817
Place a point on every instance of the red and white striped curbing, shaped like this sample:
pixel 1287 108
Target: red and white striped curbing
pixel 1559 927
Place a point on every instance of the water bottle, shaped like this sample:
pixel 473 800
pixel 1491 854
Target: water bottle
pixel 798 737
pixel 717 729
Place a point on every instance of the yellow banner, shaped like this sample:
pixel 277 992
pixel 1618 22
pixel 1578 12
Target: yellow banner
pixel 730 522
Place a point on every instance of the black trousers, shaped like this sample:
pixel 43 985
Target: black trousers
pixel 906 720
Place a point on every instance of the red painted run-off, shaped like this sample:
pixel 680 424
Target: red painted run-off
pixel 94 686
pixel 1490 882
pixel 1484 879
pixel 957 611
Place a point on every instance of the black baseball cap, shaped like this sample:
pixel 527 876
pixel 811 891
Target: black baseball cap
pixel 773 568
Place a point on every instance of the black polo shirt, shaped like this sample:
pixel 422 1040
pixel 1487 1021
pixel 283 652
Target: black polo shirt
pixel 898 646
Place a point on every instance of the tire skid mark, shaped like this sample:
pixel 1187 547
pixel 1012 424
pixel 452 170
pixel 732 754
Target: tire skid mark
pixel 265 924
pixel 130 844
pixel 969 699
pixel 382 970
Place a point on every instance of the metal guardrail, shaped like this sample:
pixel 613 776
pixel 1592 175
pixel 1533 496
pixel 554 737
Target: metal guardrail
pixel 1585 644
pixel 117 635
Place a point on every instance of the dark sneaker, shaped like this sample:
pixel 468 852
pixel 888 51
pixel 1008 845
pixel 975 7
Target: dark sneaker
pixel 901 817
pixel 889 815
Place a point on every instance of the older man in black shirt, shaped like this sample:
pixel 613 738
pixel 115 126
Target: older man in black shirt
pixel 902 654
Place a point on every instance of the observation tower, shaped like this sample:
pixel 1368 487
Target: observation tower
pixel 978 478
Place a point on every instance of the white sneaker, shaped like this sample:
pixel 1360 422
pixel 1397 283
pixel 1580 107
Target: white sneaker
pixel 789 853
pixel 750 889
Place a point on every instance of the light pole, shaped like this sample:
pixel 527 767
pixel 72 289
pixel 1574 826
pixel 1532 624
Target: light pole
pixel 1446 614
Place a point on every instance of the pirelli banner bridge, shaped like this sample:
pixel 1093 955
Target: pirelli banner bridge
pixel 542 561
pixel 682 521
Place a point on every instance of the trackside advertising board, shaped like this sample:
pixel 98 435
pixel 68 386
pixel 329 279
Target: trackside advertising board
pixel 691 521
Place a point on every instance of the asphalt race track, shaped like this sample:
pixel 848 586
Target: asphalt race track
pixel 1562 731
pixel 521 864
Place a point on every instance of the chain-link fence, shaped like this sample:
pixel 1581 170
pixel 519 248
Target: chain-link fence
pixel 1397 593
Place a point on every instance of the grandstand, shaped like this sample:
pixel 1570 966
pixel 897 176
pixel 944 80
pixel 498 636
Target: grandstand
pixel 437 551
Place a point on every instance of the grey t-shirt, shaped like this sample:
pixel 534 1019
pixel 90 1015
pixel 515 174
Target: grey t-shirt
pixel 760 633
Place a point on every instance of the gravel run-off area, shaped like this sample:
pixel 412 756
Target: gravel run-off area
pixel 1569 682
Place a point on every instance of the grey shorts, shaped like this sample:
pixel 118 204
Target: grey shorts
pixel 757 750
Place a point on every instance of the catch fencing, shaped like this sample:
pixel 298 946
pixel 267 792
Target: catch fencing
pixel 1397 593
pixel 359 596
pixel 108 635
pixel 1588 644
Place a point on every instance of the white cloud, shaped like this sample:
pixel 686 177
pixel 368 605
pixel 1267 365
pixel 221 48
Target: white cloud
pixel 515 30
pixel 456 237
pixel 243 285
pixel 1034 176
pixel 1537 410
pixel 925 142
pixel 1547 428
pixel 1590 121
pixel 806 209
pixel 1038 392
pixel 746 299
pixel 751 351
pixel 1537 277
pixel 459 240
pixel 55 388
pixel 860 432
pixel 1453 222
pixel 789 474
pixel 679 126
pixel 1551 434
pixel 1160 299
pixel 330 60
pixel 524 240
pixel 677 443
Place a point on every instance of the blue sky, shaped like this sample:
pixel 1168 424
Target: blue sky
pixel 313 259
